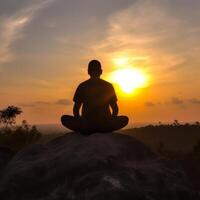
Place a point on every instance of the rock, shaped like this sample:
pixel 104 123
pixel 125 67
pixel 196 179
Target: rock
pixel 96 167
pixel 5 156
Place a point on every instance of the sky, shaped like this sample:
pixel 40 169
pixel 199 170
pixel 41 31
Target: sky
pixel 47 44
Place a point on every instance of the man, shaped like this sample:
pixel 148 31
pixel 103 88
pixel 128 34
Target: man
pixel 96 96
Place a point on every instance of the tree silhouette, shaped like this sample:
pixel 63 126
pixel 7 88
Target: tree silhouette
pixel 16 136
pixel 8 115
pixel 176 122
pixel 197 123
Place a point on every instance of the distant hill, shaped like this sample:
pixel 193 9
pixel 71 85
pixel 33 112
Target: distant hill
pixel 58 128
pixel 177 138
pixel 48 129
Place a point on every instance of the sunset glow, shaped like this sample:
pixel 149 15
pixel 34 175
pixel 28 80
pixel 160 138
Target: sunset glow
pixel 129 79
pixel 149 51
pixel 121 61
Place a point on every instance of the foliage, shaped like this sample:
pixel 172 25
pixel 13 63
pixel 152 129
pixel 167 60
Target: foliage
pixel 175 137
pixel 8 115
pixel 16 137
pixel 19 136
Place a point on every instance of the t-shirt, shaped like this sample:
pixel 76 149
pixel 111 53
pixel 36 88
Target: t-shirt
pixel 96 95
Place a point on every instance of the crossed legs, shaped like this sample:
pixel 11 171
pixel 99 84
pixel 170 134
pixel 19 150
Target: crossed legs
pixel 85 126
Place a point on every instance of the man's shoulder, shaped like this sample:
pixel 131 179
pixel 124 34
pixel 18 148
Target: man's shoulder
pixel 91 82
pixel 106 83
pixel 84 83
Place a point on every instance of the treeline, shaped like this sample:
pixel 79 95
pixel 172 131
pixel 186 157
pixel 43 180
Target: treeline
pixel 175 137
pixel 169 128
pixel 16 136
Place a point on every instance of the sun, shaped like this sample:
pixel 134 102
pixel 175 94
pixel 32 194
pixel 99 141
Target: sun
pixel 129 79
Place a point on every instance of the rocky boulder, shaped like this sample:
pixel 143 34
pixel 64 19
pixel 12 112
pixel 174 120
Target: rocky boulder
pixel 97 167
pixel 5 156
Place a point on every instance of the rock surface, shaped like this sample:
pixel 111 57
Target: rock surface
pixel 96 167
pixel 5 156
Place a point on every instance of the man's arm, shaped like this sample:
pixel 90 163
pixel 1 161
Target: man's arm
pixel 77 101
pixel 76 109
pixel 115 108
pixel 113 102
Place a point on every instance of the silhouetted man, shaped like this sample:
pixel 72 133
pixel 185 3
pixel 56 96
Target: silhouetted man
pixel 96 96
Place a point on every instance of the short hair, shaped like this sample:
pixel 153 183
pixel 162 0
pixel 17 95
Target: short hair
pixel 94 67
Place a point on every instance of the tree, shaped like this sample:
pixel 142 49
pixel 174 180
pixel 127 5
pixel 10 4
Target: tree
pixel 176 123
pixel 9 114
pixel 197 123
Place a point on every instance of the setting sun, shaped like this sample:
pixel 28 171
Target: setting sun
pixel 129 79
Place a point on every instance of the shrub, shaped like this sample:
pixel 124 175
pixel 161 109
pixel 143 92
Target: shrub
pixel 16 137
pixel 19 136
pixel 8 115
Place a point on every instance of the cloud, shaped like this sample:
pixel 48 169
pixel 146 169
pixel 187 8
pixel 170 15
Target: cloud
pixel 194 101
pixel 174 101
pixel 42 103
pixel 43 83
pixel 36 103
pixel 157 31
pixel 149 104
pixel 177 101
pixel 61 102
pixel 11 27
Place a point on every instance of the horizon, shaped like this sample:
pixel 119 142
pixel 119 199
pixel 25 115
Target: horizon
pixel 46 46
pixel 48 129
pixel 130 125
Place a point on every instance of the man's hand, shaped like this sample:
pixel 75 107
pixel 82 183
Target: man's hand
pixel 115 109
pixel 76 109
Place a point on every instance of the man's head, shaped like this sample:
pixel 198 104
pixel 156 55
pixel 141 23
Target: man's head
pixel 94 68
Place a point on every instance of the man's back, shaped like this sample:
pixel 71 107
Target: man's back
pixel 96 95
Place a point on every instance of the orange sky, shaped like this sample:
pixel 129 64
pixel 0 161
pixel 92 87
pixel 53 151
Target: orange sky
pixel 47 44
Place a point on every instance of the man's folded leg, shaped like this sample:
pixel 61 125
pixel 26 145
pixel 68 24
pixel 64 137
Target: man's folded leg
pixel 112 124
pixel 79 125
pixel 87 127
pixel 71 122
pixel 119 122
